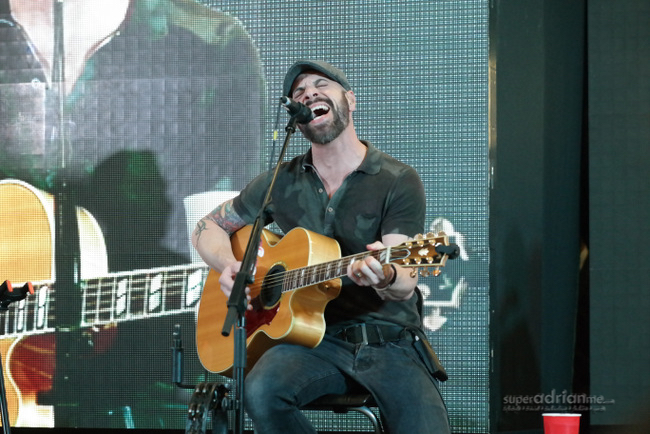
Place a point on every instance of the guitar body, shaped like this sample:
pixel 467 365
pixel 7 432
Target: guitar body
pixel 27 254
pixel 29 371
pixel 295 316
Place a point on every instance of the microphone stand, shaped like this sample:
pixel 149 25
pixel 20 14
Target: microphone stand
pixel 237 302
pixel 67 254
pixel 66 241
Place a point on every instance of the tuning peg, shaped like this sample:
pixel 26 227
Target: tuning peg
pixel 421 240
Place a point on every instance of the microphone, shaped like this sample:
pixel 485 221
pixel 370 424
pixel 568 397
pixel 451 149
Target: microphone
pixel 297 110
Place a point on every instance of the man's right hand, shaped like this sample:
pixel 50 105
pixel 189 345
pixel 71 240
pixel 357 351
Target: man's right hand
pixel 227 281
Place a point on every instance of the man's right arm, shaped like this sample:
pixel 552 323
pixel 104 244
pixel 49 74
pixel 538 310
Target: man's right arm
pixel 211 237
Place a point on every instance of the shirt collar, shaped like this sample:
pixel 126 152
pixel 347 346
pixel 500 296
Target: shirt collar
pixel 371 164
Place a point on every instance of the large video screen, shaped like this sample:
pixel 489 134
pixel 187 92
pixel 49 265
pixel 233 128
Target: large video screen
pixel 124 121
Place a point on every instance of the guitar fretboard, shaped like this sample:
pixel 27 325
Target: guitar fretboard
pixel 314 274
pixel 117 297
pixel 420 252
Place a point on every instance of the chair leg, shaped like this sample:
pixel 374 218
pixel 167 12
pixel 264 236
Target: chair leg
pixel 371 416
pixel 359 402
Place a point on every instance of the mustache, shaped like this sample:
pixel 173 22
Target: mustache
pixel 320 99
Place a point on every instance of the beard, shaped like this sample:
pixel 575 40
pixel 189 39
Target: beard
pixel 326 133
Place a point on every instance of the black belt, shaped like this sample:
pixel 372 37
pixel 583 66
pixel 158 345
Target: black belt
pixel 372 334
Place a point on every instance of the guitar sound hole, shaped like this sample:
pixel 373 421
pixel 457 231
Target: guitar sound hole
pixel 272 287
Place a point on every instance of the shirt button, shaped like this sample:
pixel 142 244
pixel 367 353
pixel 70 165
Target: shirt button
pixel 330 209
pixel 320 190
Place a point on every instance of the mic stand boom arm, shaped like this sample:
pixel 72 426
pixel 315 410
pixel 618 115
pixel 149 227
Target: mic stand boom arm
pixel 237 302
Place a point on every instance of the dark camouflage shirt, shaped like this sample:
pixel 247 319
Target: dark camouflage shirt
pixel 382 196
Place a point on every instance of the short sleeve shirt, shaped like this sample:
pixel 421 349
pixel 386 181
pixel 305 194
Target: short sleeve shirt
pixel 382 196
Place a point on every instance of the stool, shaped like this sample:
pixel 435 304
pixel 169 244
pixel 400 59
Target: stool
pixel 360 402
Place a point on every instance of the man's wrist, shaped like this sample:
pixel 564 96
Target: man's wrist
pixel 390 282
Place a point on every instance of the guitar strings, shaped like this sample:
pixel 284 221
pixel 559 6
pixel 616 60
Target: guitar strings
pixel 300 278
pixel 319 270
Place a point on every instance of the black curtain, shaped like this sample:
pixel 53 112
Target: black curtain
pixel 537 54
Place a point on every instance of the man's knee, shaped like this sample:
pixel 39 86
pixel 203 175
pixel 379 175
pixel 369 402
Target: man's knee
pixel 263 392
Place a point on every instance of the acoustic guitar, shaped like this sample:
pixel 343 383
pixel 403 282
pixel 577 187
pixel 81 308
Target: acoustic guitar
pixel 295 277
pixel 27 339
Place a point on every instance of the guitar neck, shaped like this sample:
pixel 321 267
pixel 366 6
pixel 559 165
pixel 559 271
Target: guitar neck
pixel 114 298
pixel 315 274
pixel 136 295
pixel 419 252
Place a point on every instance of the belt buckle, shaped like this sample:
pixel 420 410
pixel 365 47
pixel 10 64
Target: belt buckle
pixel 364 334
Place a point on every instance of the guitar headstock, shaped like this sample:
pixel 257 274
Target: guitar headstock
pixel 424 252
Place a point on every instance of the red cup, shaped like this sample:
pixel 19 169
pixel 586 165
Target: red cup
pixel 561 423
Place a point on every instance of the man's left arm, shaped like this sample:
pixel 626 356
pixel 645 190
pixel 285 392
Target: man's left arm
pixel 391 282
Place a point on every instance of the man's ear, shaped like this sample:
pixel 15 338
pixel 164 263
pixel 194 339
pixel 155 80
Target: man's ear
pixel 352 100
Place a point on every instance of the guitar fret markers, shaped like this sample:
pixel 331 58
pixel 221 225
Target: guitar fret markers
pixel 132 296
pixel 114 298
pixel 307 276
pixel 28 315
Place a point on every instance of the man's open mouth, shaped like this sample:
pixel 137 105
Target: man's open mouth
pixel 319 110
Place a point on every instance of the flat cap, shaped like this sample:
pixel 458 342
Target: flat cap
pixel 324 68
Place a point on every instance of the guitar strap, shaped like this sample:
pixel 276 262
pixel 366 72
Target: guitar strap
pixel 428 355
pixel 424 348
